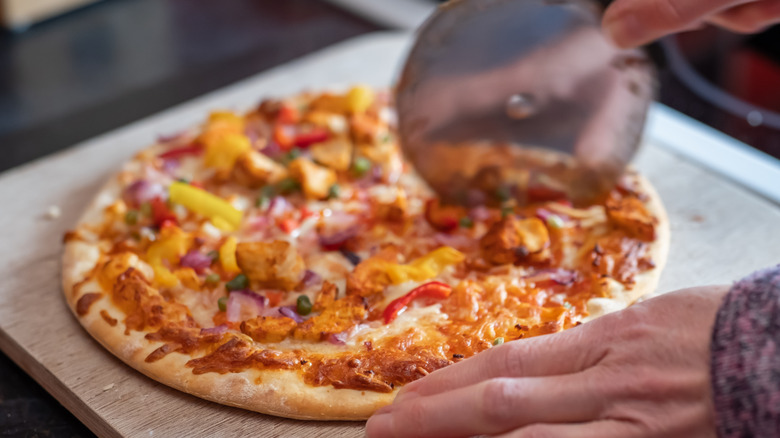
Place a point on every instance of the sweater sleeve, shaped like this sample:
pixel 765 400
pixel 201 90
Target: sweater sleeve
pixel 746 358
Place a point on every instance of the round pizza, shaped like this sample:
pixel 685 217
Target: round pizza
pixel 289 261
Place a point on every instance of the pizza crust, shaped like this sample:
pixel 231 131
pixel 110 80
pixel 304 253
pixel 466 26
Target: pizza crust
pixel 646 282
pixel 280 392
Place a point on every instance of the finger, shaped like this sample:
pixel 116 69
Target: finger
pixel 596 429
pixel 749 18
pixel 492 406
pixel 631 23
pixel 561 353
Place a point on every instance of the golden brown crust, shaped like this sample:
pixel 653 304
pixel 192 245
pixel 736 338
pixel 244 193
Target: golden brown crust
pixel 658 250
pixel 274 392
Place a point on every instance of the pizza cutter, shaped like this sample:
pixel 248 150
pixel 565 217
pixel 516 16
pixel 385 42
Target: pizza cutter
pixel 523 100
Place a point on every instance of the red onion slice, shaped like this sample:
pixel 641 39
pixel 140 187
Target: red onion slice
pixel 311 278
pixel 196 260
pixel 143 191
pixel 289 311
pixel 555 276
pixel 334 241
pixel 279 206
pixel 244 304
pixel 338 338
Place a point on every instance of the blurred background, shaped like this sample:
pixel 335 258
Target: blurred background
pixel 74 69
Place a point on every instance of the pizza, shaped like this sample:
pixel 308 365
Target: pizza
pixel 288 260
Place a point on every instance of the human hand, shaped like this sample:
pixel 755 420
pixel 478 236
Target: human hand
pixel 641 372
pixel 631 23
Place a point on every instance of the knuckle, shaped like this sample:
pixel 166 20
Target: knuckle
pixel 511 358
pixel 499 399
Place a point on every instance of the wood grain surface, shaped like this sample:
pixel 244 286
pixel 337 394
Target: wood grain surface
pixel 720 232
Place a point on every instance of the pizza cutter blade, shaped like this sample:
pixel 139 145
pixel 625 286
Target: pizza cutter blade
pixel 522 99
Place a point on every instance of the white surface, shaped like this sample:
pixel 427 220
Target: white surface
pixel 671 129
pixel 397 14
pixel 715 150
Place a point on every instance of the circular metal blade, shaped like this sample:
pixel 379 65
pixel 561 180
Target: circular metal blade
pixel 525 96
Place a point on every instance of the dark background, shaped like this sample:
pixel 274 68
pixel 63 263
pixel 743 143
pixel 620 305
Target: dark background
pixel 106 65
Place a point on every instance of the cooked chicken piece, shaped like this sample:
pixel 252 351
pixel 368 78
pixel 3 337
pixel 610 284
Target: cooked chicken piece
pixel 370 276
pixel 274 265
pixel 325 297
pixel 366 128
pixel 336 153
pixel 314 179
pixel 339 316
pixel 254 170
pixel 328 102
pixel 268 328
pixel 394 211
pixel 630 214
pixel 514 239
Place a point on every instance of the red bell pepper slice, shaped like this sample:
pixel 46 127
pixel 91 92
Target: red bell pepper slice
pixel 182 152
pixel 309 138
pixel 161 214
pixel 288 115
pixel 288 225
pixel 433 290
pixel 540 193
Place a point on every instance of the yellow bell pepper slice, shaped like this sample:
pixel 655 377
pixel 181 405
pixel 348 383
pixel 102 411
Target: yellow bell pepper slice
pixel 227 255
pixel 222 150
pixel 359 99
pixel 172 244
pixel 203 202
pixel 425 267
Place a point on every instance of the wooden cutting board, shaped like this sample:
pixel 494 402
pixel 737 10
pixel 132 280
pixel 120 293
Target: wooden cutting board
pixel 719 233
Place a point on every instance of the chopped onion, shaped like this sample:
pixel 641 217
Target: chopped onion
pixel 545 214
pixel 169 166
pixel 289 311
pixel 336 240
pixel 244 304
pixel 258 223
pixel 218 330
pixel 196 260
pixel 311 278
pixel 481 213
pixel 272 150
pixel 338 338
pixel 557 276
pixel 143 191
pixel 279 206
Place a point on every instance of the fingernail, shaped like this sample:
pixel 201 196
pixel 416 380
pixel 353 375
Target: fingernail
pixel 378 425
pixel 625 30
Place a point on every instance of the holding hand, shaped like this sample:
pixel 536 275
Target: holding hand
pixel 632 23
pixel 640 372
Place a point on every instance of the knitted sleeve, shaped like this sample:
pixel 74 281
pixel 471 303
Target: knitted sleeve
pixel 746 358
